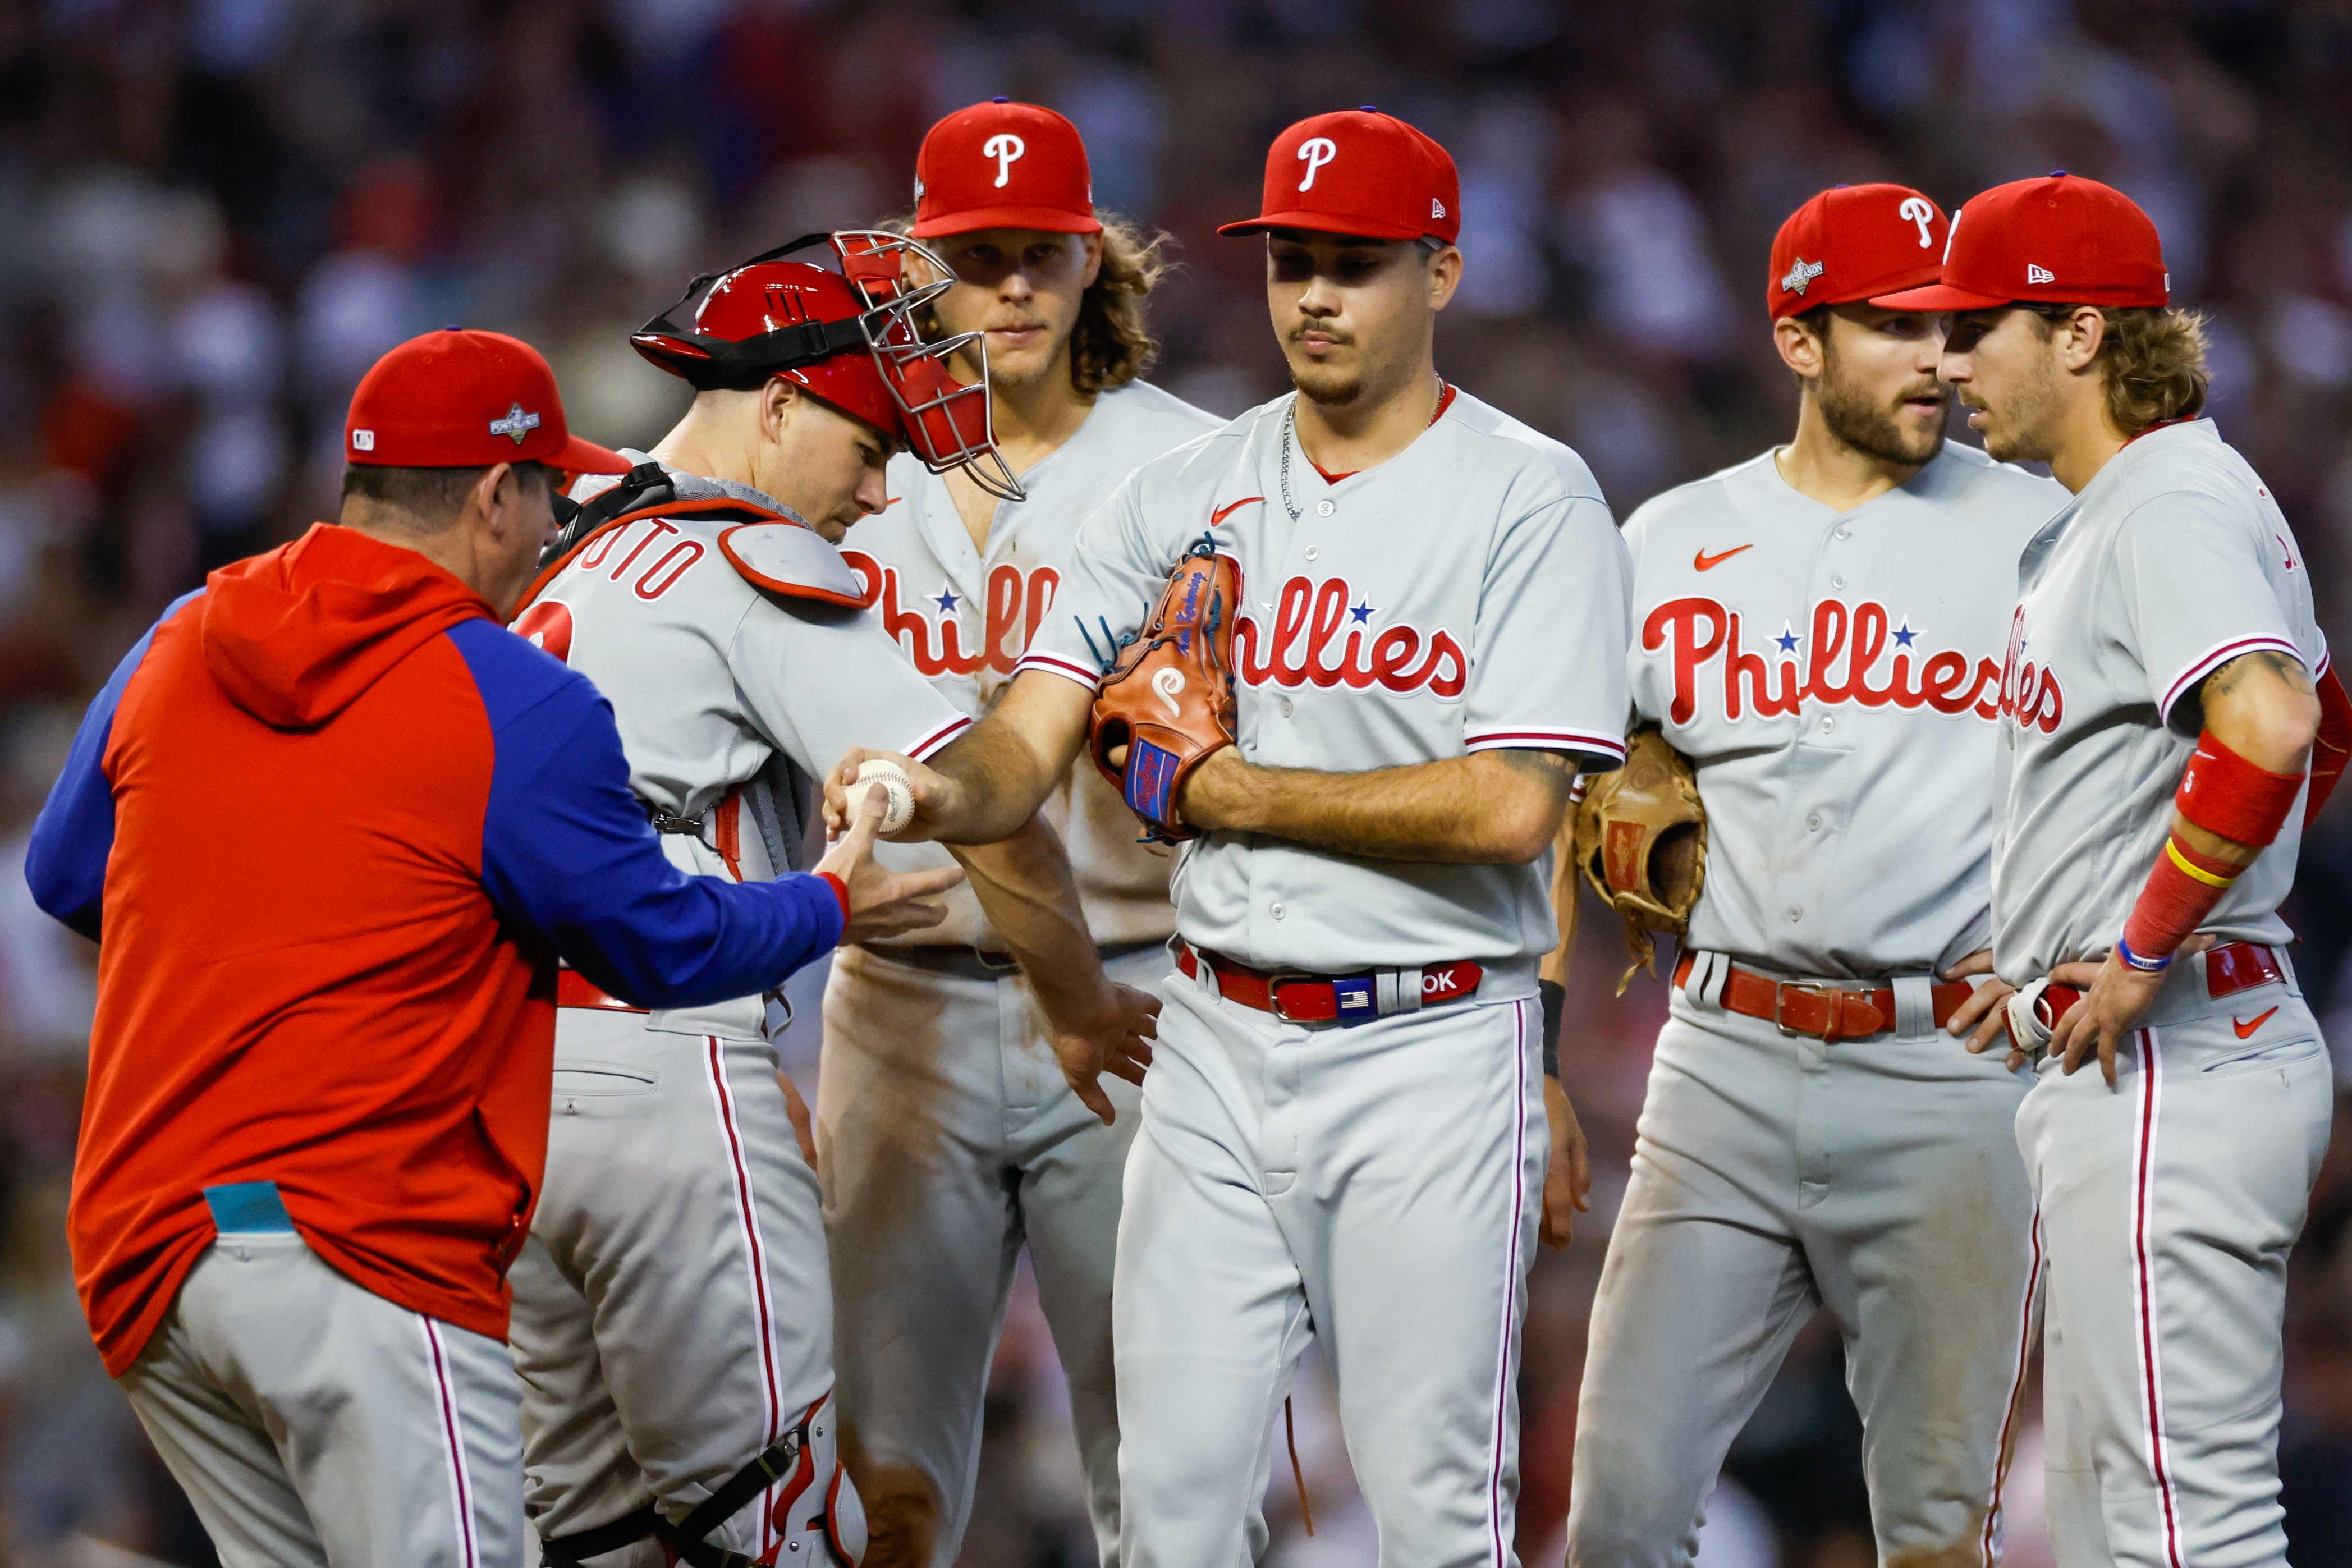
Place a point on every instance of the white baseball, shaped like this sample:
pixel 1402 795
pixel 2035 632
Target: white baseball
pixel 901 807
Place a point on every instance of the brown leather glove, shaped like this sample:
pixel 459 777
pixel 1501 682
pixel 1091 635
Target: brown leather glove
pixel 1169 698
pixel 1641 839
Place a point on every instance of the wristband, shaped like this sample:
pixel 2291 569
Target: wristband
pixel 2134 961
pixel 2181 892
pixel 2227 795
pixel 840 892
pixel 1555 1008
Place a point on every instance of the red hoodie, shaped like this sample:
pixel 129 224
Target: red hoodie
pixel 300 734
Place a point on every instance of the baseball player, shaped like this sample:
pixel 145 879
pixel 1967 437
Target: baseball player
pixel 2161 695
pixel 673 1319
pixel 331 823
pixel 947 1139
pixel 1343 1134
pixel 1818 631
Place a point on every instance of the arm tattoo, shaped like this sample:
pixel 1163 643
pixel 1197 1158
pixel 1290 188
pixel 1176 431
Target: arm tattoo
pixel 1557 771
pixel 2231 676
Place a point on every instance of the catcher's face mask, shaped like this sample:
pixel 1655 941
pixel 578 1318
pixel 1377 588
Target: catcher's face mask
pixel 849 337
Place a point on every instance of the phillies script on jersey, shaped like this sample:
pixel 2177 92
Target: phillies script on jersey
pixel 1321 634
pixel 1860 653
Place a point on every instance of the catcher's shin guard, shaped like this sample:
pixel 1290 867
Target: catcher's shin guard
pixel 817 1510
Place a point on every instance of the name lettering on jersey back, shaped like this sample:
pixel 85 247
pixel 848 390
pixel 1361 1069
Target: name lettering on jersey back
pixel 1305 647
pixel 1857 654
pixel 932 631
pixel 660 573
pixel 2030 698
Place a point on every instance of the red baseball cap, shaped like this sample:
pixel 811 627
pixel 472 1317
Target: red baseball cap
pixel 457 399
pixel 1359 171
pixel 1852 242
pixel 2064 240
pixel 1001 164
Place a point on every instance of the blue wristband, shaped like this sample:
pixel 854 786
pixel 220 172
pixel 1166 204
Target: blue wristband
pixel 2134 961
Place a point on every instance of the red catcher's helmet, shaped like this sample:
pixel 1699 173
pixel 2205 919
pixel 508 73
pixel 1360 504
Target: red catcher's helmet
pixel 847 337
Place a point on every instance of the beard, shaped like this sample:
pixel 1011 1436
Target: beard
pixel 1875 428
pixel 2018 434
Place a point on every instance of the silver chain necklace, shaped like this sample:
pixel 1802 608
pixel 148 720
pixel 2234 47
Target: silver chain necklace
pixel 1290 426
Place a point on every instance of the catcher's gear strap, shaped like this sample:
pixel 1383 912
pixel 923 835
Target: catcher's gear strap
pixel 722 507
pixel 2332 748
pixel 574 1551
pixel 785 558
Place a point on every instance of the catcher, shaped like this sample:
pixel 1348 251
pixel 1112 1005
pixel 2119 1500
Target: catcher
pixel 1820 631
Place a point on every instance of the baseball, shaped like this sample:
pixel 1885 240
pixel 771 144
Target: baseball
pixel 901 808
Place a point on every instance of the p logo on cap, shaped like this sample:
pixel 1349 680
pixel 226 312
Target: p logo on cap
pixel 1004 166
pixel 1850 243
pixel 1358 173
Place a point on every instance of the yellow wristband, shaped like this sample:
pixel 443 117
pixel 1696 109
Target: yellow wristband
pixel 2198 872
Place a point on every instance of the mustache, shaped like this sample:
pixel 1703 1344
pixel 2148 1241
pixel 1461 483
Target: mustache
pixel 1322 328
pixel 1940 391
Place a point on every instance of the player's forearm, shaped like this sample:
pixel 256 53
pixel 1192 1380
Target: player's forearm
pixel 1554 967
pixel 1025 886
pixel 1498 808
pixel 1004 767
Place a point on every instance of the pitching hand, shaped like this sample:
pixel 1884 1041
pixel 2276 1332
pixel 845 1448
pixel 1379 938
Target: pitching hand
pixel 882 902
pixel 934 795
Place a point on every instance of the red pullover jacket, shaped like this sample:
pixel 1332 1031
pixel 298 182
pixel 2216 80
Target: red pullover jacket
pixel 331 823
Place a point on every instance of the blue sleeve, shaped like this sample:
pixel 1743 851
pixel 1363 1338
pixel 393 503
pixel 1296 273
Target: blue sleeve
pixel 65 863
pixel 567 851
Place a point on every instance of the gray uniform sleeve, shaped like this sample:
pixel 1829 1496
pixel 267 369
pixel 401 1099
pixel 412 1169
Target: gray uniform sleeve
pixel 2196 593
pixel 1548 668
pixel 1115 576
pixel 817 682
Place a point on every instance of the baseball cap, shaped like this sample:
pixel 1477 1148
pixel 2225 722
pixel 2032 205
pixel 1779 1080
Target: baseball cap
pixel 1359 171
pixel 1852 242
pixel 2060 240
pixel 458 399
pixel 1004 166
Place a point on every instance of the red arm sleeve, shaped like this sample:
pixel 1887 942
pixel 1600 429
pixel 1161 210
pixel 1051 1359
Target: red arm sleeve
pixel 2332 748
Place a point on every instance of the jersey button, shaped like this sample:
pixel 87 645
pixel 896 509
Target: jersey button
pixel 1837 582
pixel 1814 822
pixel 1828 724
pixel 1845 532
pixel 1311 552
pixel 1796 913
pixel 1325 508
pixel 1286 707
pixel 1275 911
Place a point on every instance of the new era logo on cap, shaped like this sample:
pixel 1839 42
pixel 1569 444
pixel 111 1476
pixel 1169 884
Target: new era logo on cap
pixel 2036 276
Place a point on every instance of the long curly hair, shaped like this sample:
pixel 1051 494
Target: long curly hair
pixel 2154 358
pixel 1111 345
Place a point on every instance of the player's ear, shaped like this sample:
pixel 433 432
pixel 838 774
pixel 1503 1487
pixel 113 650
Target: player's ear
pixel 1799 342
pixel 2080 335
pixel 1092 245
pixel 1445 275
pixel 778 400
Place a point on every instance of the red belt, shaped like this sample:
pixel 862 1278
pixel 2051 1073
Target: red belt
pixel 1333 998
pixel 573 989
pixel 1823 1012
pixel 2232 967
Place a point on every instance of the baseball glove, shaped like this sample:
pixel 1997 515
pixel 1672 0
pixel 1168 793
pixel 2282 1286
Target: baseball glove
pixel 1641 839
pixel 1169 695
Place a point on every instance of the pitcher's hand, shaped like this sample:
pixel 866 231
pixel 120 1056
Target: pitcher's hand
pixel 935 795
pixel 883 904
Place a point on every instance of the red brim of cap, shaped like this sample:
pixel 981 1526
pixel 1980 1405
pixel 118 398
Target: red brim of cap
pixel 1048 220
pixel 1937 297
pixel 1356 227
pixel 579 456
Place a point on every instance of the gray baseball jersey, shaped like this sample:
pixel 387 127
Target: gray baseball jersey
pixel 2173 560
pixel 711 676
pixel 1834 679
pixel 1469 593
pixel 963 618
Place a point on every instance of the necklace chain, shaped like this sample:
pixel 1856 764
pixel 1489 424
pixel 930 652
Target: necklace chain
pixel 1289 425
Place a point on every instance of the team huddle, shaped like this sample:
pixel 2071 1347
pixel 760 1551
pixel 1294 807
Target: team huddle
pixel 1194 811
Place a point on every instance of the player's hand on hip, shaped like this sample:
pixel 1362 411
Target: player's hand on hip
pixel 1979 1019
pixel 2115 997
pixel 933 794
pixel 1568 1179
pixel 796 1109
pixel 883 904
pixel 1113 1033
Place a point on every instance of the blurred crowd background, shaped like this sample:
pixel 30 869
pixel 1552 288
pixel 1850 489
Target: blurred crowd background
pixel 214 214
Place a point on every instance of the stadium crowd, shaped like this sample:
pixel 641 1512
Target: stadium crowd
pixel 221 211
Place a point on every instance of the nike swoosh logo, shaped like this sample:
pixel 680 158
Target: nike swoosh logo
pixel 2246 1030
pixel 1223 513
pixel 1707 563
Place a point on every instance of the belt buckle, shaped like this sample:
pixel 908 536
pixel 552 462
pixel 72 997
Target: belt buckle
pixel 1274 984
pixel 1814 988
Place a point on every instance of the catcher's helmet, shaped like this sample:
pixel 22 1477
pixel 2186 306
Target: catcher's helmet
pixel 847 337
